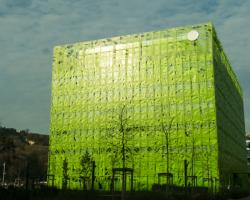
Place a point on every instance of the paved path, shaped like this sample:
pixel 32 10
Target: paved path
pixel 245 198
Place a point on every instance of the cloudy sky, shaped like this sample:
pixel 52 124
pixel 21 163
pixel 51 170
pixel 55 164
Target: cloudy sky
pixel 30 28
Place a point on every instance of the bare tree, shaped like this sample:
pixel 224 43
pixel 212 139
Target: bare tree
pixel 118 138
pixel 166 129
pixel 65 174
pixel 86 167
pixel 189 133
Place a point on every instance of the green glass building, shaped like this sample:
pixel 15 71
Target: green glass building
pixel 167 103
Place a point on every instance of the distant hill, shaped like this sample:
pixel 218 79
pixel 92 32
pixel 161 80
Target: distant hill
pixel 23 151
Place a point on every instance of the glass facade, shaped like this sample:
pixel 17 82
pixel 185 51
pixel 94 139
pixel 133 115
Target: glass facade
pixel 159 95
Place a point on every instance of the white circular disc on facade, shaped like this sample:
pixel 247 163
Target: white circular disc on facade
pixel 193 35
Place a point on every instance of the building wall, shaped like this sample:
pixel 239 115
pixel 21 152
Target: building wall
pixel 230 120
pixel 162 86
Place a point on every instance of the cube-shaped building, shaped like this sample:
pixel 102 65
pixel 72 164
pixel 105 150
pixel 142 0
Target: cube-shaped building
pixel 164 105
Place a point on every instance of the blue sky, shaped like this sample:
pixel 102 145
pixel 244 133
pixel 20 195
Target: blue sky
pixel 30 28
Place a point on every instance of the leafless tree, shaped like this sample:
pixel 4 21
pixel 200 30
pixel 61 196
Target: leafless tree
pixel 65 174
pixel 166 129
pixel 191 135
pixel 118 138
pixel 86 167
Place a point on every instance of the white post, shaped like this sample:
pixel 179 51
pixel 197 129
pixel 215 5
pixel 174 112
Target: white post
pixel 3 174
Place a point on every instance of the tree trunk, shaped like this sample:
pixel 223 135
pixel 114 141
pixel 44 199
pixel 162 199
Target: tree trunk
pixel 123 168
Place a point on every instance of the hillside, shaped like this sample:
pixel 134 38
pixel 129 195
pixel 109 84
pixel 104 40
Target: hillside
pixel 21 152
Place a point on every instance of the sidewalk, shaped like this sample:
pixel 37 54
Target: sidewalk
pixel 245 198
